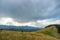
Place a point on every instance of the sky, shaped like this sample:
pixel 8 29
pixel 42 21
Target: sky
pixel 36 13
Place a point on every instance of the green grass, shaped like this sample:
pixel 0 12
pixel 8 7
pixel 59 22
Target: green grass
pixel 48 33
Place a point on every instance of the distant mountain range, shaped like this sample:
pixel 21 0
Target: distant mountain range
pixel 19 28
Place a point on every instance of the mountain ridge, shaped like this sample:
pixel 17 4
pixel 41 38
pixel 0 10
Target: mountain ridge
pixel 19 28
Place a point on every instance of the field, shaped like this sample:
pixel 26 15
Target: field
pixel 46 34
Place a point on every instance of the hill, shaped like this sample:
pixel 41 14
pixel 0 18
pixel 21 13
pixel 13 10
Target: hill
pixel 48 33
pixel 51 30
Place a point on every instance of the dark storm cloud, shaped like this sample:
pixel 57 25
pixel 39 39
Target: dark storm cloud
pixel 29 10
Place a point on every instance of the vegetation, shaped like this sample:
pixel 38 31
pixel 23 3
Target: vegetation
pixel 46 34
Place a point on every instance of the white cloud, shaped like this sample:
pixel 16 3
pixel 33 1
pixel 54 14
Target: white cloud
pixel 10 21
pixel 38 23
pixel 5 21
pixel 47 22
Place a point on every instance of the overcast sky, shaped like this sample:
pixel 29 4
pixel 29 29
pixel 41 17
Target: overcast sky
pixel 30 10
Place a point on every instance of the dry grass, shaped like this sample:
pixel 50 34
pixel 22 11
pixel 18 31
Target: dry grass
pixel 15 35
pixel 46 34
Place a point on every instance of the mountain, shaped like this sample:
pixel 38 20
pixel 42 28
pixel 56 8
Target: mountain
pixel 19 28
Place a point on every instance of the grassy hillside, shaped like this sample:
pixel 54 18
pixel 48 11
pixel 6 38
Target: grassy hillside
pixel 46 34
pixel 51 31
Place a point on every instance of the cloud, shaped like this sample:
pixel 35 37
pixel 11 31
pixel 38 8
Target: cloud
pixel 38 23
pixel 11 21
pixel 46 22
pixel 29 10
